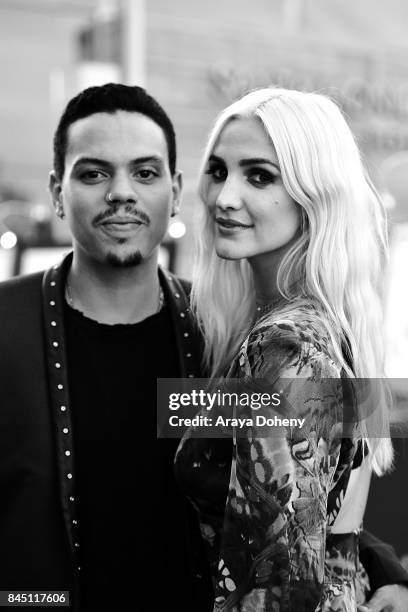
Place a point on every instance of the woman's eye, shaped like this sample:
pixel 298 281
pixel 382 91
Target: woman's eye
pixel 261 177
pixel 218 173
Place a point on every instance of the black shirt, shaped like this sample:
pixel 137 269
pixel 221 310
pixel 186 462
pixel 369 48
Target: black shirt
pixel 133 534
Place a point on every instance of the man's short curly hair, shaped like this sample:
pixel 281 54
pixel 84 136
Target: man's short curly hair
pixel 110 98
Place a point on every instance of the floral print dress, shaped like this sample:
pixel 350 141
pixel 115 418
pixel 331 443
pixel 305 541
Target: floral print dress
pixel 266 503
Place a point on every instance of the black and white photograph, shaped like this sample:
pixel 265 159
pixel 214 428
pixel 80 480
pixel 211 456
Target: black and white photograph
pixel 204 305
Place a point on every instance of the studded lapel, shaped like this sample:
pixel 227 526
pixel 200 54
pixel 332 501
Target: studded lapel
pixel 53 306
pixel 188 349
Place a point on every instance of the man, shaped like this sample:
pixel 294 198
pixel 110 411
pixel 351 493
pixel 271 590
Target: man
pixel 89 501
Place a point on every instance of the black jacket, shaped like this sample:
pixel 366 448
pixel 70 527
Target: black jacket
pixel 39 543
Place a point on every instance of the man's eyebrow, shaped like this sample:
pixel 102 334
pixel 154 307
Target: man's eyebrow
pixel 92 160
pixel 147 159
pixel 106 164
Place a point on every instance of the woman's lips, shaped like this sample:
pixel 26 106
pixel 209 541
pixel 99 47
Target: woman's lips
pixel 230 226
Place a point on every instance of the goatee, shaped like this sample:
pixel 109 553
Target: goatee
pixel 128 261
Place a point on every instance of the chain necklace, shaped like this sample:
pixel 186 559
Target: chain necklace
pixel 70 301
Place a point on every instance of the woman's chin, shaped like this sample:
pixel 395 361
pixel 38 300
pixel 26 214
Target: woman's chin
pixel 226 252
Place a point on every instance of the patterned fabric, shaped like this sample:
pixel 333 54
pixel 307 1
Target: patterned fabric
pixel 266 514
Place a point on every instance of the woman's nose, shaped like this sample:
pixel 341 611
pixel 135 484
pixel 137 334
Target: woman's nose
pixel 230 196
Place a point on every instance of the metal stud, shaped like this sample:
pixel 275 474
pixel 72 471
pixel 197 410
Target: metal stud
pixel 67 453
pixel 177 295
pixel 65 430
pixel 53 323
pixel 52 303
pixel 69 476
pixel 63 408
pixel 76 545
pixel 52 283
pixel 182 315
pixel 188 355
pixel 74 522
pixel 71 499
pixel 57 365
pixel 185 334
pixel 191 375
pixel 55 344
pixel 60 387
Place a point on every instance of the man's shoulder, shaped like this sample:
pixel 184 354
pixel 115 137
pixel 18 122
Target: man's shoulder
pixel 185 284
pixel 20 308
pixel 170 276
pixel 20 288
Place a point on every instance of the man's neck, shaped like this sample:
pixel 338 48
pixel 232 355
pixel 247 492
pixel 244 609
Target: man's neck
pixel 111 294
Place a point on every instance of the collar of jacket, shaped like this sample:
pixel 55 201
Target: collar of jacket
pixel 53 290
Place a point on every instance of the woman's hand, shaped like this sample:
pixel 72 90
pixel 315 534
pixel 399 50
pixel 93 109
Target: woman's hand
pixel 389 598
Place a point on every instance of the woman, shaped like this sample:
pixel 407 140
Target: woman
pixel 286 292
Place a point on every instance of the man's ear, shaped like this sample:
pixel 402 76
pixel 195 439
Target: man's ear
pixel 177 188
pixel 55 189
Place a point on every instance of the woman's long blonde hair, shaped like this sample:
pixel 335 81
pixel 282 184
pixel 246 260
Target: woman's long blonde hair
pixel 339 257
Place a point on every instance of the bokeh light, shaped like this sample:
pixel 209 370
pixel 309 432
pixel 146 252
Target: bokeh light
pixel 8 240
pixel 177 229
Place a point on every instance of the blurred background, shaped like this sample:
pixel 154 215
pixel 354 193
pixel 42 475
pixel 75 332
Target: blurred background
pixel 196 57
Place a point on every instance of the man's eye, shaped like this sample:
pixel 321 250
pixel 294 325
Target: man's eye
pixel 92 175
pixel 146 174
pixel 218 173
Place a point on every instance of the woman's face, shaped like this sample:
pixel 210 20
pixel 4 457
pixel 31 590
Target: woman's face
pixel 253 212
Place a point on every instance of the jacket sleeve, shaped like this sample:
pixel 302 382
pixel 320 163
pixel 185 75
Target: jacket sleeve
pixel 380 562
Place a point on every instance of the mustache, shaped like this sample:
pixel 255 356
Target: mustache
pixel 128 211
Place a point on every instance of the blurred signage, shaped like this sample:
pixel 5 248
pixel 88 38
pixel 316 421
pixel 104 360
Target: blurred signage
pixel 377 108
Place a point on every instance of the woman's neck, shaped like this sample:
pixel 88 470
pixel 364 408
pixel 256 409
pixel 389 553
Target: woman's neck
pixel 265 267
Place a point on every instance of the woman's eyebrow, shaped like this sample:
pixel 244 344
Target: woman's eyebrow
pixel 216 159
pixel 246 162
pixel 258 160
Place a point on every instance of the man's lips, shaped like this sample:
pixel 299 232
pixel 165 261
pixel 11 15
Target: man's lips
pixel 121 226
pixel 122 221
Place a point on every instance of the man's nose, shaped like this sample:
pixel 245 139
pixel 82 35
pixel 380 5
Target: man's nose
pixel 230 196
pixel 122 189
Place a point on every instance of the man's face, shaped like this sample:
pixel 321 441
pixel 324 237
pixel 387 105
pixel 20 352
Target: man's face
pixel 117 192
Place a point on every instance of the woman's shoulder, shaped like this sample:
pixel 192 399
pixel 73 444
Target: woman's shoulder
pixel 293 350
pixel 296 340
